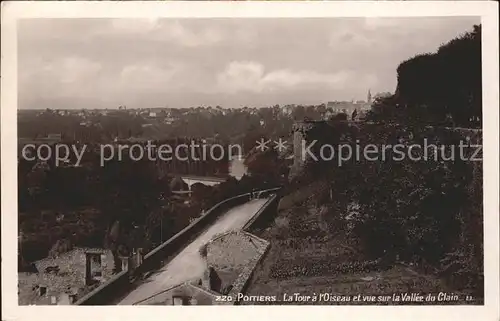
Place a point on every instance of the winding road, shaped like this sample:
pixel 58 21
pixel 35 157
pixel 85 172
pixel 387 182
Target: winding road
pixel 188 264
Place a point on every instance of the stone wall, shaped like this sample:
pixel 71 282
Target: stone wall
pixel 230 253
pixel 238 251
pixel 183 294
pixel 160 255
pixel 104 294
pixel 265 215
pixel 232 250
pixel 119 284
pixel 254 250
pixel 156 258
pixel 73 262
pixel 241 282
pixel 234 256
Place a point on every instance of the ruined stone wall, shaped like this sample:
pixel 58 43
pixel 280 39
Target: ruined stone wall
pixel 299 131
pixel 70 278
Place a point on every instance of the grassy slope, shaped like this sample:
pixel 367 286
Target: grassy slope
pixel 307 257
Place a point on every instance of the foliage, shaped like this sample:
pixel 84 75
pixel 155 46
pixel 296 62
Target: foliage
pixel 341 116
pixel 267 167
pixel 407 209
pixel 123 205
pixel 442 88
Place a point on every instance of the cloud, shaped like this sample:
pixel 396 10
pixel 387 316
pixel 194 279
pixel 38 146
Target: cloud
pixel 251 76
pixel 166 30
pixel 134 26
pixel 143 76
pixel 189 38
pixel 74 70
pixel 65 77
pixel 186 62
pixel 241 76
pixel 373 23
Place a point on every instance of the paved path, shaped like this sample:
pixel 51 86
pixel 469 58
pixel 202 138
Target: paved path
pixel 188 264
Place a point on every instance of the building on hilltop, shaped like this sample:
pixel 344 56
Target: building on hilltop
pixel 347 107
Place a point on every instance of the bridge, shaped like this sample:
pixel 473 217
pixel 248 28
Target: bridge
pixel 206 180
pixel 190 180
pixel 237 169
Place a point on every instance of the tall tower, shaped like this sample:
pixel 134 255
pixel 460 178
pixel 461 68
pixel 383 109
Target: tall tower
pixel 369 98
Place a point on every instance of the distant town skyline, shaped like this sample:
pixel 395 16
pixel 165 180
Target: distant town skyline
pixel 178 63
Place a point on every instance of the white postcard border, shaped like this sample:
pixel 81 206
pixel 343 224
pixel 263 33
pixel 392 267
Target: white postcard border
pixel 11 11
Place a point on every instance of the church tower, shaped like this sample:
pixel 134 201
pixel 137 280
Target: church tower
pixel 369 98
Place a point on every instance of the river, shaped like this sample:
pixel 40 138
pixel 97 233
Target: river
pixel 237 168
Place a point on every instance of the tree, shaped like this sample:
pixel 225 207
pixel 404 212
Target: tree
pixel 354 114
pixel 266 168
pixel 447 82
pixel 339 116
pixel 383 109
pixel 299 113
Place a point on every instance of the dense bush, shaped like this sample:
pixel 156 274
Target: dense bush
pixel 443 88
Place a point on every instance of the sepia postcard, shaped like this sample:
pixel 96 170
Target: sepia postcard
pixel 279 155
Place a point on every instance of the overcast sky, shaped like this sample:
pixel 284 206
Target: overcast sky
pixel 104 63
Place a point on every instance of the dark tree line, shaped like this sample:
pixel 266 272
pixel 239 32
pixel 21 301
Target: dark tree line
pixel 229 125
pixel 442 88
pixel 123 205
